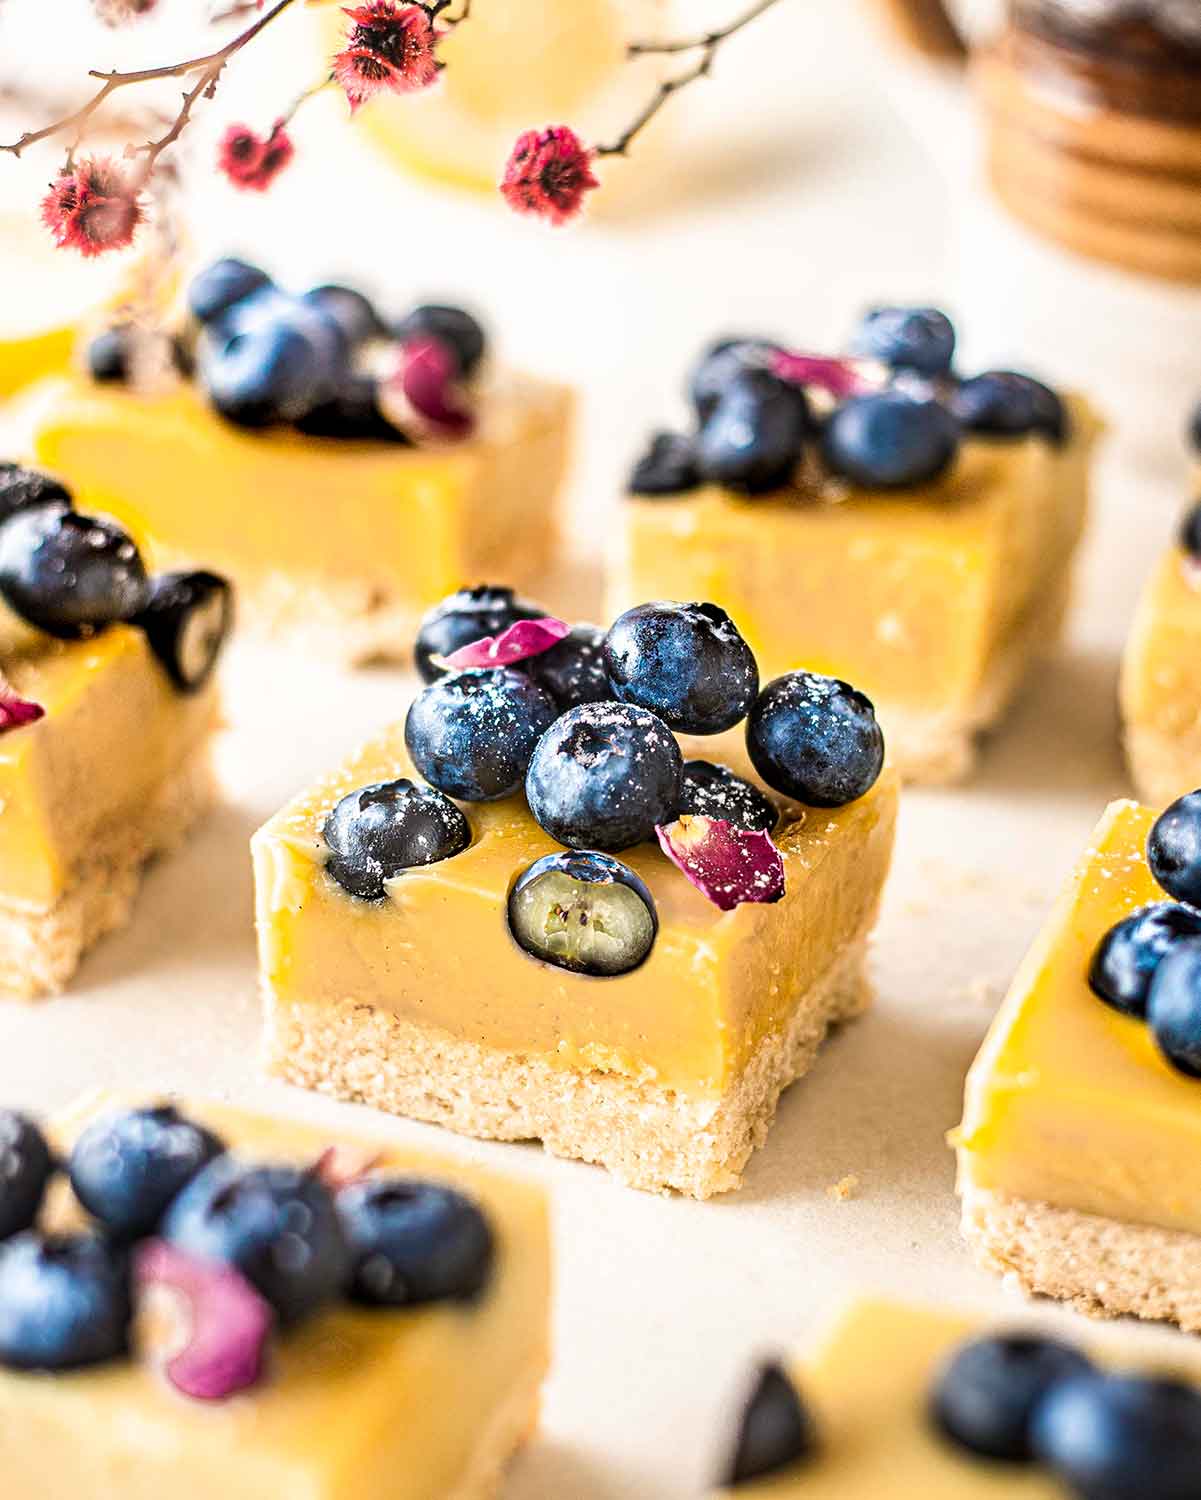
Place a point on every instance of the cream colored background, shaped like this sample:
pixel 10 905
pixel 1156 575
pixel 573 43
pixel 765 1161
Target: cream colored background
pixel 821 175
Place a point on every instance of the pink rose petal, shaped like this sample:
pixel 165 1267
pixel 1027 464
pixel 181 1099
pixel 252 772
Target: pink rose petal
pixel 338 1166
pixel 840 378
pixel 17 712
pixel 727 864
pixel 523 639
pixel 428 376
pixel 229 1323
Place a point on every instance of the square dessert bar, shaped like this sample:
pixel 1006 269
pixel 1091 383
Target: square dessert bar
pixel 425 1005
pixel 354 1402
pixel 1079 1145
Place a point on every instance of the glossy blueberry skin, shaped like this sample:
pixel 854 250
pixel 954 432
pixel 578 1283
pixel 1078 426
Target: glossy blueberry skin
pixel 379 831
pixel 107 356
pixel 67 574
pixel 127 1168
pixel 276 1224
pixel 65 1302
pixel 816 739
pixel 262 379
pixel 187 618
pixel 776 1432
pixel 720 362
pixel 1174 1007
pixel 668 467
pixel 588 867
pixel 471 734
pixel 1002 403
pixel 685 662
pixel 1127 957
pixel 754 436
pixel 713 791
pixel 414 1242
pixel 921 339
pixel 603 775
pixel 890 440
pixel 454 326
pixel 26 1167
pixel 352 415
pixel 987 1393
pixel 226 282
pixel 1122 1437
pixel 573 670
pixel 1189 534
pixel 353 313
pixel 464 617
pixel 1174 849
pixel 22 489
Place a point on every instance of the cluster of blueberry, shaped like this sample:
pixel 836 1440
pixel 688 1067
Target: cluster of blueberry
pixel 1149 964
pixel 153 1176
pixel 265 357
pixel 1017 1399
pixel 587 728
pixel 71 575
pixel 889 416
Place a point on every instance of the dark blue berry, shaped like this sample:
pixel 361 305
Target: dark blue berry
pixel 22 489
pixel 889 440
pixel 1194 429
pixel 685 662
pixel 26 1166
pixel 379 831
pixel 1126 958
pixel 1174 849
pixel 604 775
pixel 108 354
pixel 668 467
pixel 352 415
pixel 719 364
pixel 816 739
pixel 471 734
pixel 921 339
pixel 413 1242
pixel 989 1390
pixel 713 791
pixel 776 1430
pixel 276 1224
pixel 585 912
pixel 187 620
pixel 754 436
pixel 353 313
pixel 1122 1437
pixel 65 1302
pixel 573 670
pixel 452 325
pixel 1002 403
pixel 222 285
pixel 1174 1007
pixel 1189 535
pixel 265 378
pixel 127 1168
pixel 67 574
pixel 467 616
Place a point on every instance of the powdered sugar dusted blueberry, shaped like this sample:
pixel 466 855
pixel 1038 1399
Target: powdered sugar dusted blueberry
pixel 573 671
pixel 379 831
pixel 465 616
pixel 815 738
pixel 471 734
pixel 713 791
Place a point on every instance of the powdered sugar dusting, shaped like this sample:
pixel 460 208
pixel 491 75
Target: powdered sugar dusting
pixel 728 865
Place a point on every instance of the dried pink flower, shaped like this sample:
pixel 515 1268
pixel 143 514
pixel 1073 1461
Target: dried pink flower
pixel 389 49
pixel 522 639
pixel 16 712
pixel 93 207
pixel 729 865
pixel 252 162
pixel 548 173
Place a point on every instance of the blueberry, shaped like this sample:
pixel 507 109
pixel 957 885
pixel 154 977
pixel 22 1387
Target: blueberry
pixel 1194 429
pixel 1122 1437
pixel 715 792
pixel 67 574
pixel 467 616
pixel 26 1167
pixel 378 831
pixel 22 489
pixel 668 467
pixel 108 354
pixel 573 670
pixel 413 1242
pixel 1174 1007
pixel 352 414
pixel 277 1225
pixel 585 912
pixel 452 325
pixel 354 313
pixel 1126 958
pixel 1189 536
pixel 753 438
pixel 890 439
pixel 776 1430
pixel 685 662
pixel 264 378
pixel 471 734
pixel 1002 403
pixel 222 285
pixel 604 775
pixel 987 1393
pixel 65 1302
pixel 1174 849
pixel 187 620
pixel 126 1168
pixel 921 339
pixel 720 362
pixel 816 739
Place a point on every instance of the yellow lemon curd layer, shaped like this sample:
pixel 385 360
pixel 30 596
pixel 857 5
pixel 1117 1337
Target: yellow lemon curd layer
pixel 115 730
pixel 869 1387
pixel 357 1404
pixel 438 951
pixel 1069 1102
pixel 912 595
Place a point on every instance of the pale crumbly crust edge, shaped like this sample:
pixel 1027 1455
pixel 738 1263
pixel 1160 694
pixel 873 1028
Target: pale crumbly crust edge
pixel 647 1135
pixel 40 949
pixel 1102 1267
pixel 1162 766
